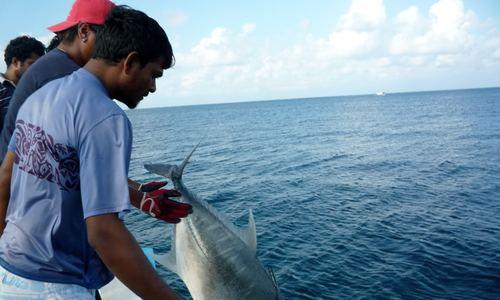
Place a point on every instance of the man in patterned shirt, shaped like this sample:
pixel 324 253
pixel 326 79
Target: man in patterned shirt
pixel 69 157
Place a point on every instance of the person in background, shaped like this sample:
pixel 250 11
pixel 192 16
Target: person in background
pixel 77 35
pixel 54 42
pixel 20 53
pixel 69 156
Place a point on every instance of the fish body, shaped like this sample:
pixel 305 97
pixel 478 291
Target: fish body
pixel 214 258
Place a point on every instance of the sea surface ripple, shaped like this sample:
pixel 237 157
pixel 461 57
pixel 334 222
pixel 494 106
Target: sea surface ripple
pixel 359 197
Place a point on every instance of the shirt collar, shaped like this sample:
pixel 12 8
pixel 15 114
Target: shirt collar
pixel 3 80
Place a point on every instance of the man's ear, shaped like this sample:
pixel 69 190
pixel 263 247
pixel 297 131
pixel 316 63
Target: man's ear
pixel 83 31
pixel 130 62
pixel 16 63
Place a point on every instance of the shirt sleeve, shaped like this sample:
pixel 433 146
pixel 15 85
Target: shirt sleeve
pixel 104 161
pixel 5 95
pixel 12 143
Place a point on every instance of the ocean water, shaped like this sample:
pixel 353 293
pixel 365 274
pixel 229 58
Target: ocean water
pixel 359 197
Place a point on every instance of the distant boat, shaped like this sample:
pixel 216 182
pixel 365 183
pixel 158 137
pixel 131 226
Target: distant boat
pixel 380 94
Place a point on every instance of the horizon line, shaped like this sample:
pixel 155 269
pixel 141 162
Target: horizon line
pixel 317 97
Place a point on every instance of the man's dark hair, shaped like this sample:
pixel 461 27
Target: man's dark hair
pixel 54 42
pixel 22 47
pixel 69 34
pixel 127 30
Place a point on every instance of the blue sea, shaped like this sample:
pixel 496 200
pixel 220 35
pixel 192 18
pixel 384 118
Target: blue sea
pixel 355 197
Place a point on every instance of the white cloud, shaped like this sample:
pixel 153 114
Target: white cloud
pixel 445 60
pixel 194 77
pixel 176 18
pixel 496 54
pixel 416 48
pixel 248 28
pixel 408 18
pixel 358 31
pixel 347 43
pixel 305 24
pixel 445 31
pixel 363 15
pixel 216 49
pixel 382 62
pixel 415 61
pixel 492 47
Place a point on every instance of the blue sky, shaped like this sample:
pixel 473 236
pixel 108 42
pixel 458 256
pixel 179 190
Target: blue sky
pixel 230 51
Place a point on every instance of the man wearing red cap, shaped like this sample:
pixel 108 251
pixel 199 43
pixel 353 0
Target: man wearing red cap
pixel 77 37
pixel 90 11
pixel 69 155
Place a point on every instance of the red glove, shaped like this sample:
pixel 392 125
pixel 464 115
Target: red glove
pixel 152 186
pixel 158 205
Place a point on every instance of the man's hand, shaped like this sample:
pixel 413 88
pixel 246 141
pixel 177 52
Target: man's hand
pixel 152 186
pixel 158 204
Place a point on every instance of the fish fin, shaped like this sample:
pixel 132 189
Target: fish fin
pixel 272 276
pixel 162 169
pixel 170 171
pixel 249 234
pixel 167 260
pixel 185 161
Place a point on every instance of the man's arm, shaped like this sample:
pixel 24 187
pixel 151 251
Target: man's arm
pixel 122 255
pixel 5 178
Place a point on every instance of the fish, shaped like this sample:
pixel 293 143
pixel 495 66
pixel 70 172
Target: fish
pixel 213 257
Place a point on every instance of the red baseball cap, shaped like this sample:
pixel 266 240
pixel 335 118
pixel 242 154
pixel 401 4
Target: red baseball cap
pixel 85 11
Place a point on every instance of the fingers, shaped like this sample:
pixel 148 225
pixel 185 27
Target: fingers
pixel 170 193
pixel 152 186
pixel 167 209
pixel 173 215
pixel 163 193
pixel 173 210
pixel 169 206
